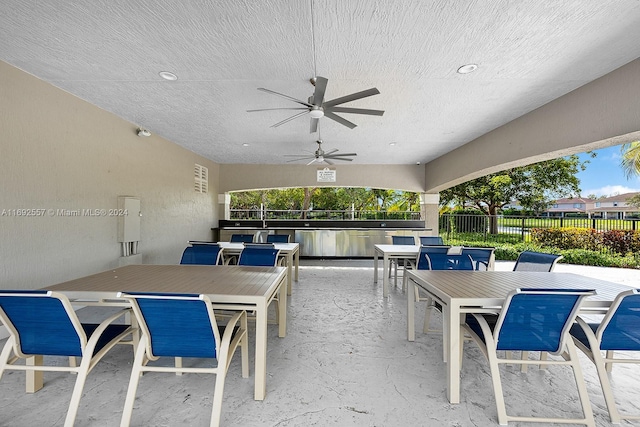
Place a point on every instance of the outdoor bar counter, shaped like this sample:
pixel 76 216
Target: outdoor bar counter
pixel 327 238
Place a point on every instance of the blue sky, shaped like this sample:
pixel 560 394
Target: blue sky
pixel 604 176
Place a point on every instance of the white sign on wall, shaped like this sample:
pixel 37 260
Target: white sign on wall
pixel 326 175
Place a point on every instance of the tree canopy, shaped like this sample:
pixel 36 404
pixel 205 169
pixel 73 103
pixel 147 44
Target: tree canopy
pixel 327 198
pixel 533 187
pixel 634 201
pixel 630 160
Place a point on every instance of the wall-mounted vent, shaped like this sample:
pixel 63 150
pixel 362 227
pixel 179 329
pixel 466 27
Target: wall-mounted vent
pixel 201 174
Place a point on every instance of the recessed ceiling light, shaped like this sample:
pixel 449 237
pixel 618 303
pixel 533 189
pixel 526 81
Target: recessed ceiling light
pixel 245 145
pixel 168 75
pixel 392 144
pixel 466 69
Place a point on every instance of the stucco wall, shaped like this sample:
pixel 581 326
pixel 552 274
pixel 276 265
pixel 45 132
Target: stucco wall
pixel 59 152
pixel 234 177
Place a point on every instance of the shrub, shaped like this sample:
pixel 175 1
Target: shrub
pixel 567 238
pixel 506 253
pixel 616 241
pixel 622 241
pixel 510 252
pixel 596 258
pixel 585 257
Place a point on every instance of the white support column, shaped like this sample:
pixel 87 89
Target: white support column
pixel 224 205
pixel 430 211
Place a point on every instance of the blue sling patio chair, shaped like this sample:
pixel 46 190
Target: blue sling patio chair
pixel 261 254
pixel 536 261
pixel 202 254
pixel 532 320
pixel 619 330
pixel 43 323
pixel 437 258
pixel 181 326
pixel 483 258
pixel 431 240
pixel 238 238
pixel 277 238
pixel 440 261
pixel 241 238
pixel 394 263
pixel 422 263
pixel 259 245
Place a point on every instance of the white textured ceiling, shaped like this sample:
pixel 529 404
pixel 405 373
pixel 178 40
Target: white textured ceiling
pixel 109 52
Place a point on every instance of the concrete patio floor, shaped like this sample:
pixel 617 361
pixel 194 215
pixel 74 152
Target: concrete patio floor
pixel 345 361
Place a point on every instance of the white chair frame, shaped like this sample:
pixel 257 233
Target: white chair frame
pixel 87 362
pixel 225 348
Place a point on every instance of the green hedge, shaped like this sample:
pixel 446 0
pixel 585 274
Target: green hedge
pixel 621 242
pixel 510 252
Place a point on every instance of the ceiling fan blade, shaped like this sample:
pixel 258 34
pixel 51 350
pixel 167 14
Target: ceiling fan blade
pixel 314 125
pixel 273 109
pixel 285 96
pixel 312 161
pixel 341 155
pixel 328 153
pixel 346 159
pixel 302 158
pixel 318 93
pixel 328 161
pixel 289 119
pixel 336 118
pixel 352 97
pixel 356 111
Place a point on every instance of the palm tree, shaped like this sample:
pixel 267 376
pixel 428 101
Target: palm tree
pixel 630 158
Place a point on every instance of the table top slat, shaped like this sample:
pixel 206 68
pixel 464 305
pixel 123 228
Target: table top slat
pixel 485 287
pixel 244 284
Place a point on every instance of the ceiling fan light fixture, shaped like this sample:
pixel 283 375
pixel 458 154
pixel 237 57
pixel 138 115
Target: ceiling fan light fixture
pixel 316 113
pixel 168 75
pixel 468 68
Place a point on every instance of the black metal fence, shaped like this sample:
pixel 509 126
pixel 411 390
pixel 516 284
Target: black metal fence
pixel 319 214
pixel 514 229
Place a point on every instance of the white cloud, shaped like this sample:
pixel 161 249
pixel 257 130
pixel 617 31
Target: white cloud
pixel 610 190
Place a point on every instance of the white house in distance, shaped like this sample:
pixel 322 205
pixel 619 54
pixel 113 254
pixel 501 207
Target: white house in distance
pixel 570 207
pixel 614 207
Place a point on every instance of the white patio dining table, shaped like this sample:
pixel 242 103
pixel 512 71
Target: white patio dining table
pixel 388 252
pixel 290 252
pixel 462 292
pixel 228 287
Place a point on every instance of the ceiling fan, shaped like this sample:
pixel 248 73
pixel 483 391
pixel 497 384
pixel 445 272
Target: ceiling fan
pixel 317 107
pixel 320 156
